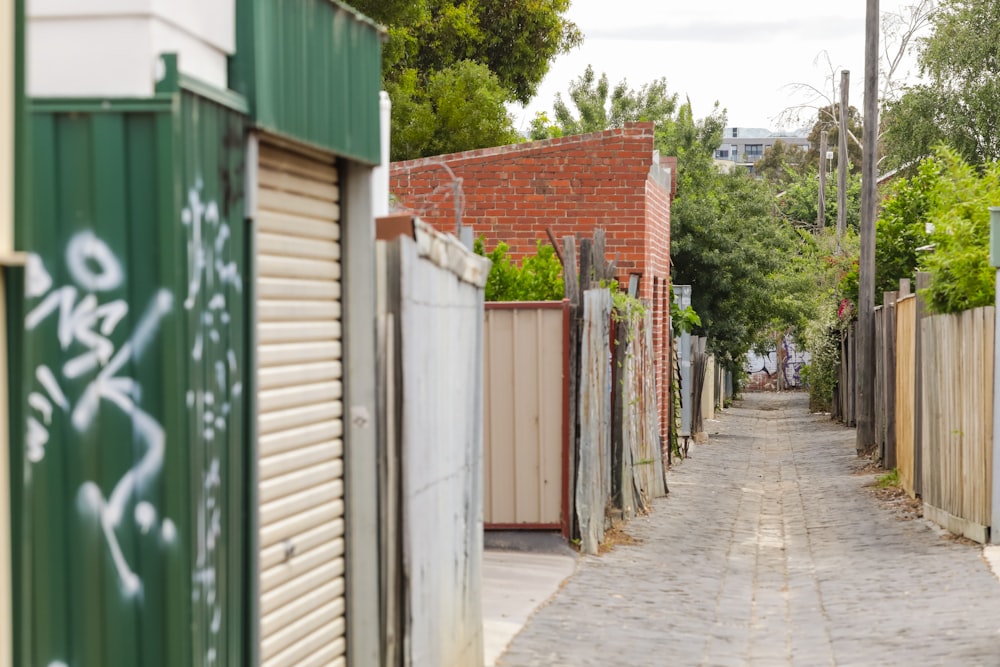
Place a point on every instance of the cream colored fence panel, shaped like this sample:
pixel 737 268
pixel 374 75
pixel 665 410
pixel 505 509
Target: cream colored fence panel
pixel 525 411
pixel 299 382
pixel 906 340
pixel 957 360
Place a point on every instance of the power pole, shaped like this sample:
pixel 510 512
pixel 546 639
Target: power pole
pixel 866 268
pixel 843 159
pixel 821 208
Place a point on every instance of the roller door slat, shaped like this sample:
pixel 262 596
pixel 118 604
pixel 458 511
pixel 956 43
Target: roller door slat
pixel 287 309
pixel 307 207
pixel 284 245
pixel 297 225
pixel 292 288
pixel 329 614
pixel 272 400
pixel 281 159
pixel 270 266
pixel 304 600
pixel 274 178
pixel 299 580
pixel 293 656
pixel 290 332
pixel 285 376
pixel 284 485
pixel 307 520
pixel 321 535
pixel 311 434
pixel 277 354
pixel 299 458
pixel 303 501
pixel 302 416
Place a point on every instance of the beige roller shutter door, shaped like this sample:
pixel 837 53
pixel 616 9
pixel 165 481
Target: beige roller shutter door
pixel 301 499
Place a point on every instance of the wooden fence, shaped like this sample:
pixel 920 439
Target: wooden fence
pixel 957 422
pixel 906 394
pixel 933 406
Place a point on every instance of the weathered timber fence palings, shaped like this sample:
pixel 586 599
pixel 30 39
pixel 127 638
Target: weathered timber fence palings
pixel 957 362
pixel 525 440
pixel 906 366
pixel 880 380
pixel 431 335
pixel 593 489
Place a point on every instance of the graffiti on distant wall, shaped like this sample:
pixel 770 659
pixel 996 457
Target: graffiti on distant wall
pixel 87 319
pixel 211 279
pixel 786 362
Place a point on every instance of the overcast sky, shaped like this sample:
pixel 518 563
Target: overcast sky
pixel 742 54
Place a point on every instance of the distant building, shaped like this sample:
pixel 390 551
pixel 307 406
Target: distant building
pixel 742 146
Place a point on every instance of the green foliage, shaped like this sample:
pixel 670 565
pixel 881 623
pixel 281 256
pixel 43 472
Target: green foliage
pixel 458 108
pixel 959 101
pixel 889 480
pixel 782 163
pixel 684 320
pixel 539 278
pixel 436 44
pixel 798 204
pixel 958 207
pixel 900 229
pixel 828 118
pixel 599 106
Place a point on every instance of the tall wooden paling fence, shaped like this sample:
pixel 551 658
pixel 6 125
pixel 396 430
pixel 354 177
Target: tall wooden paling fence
pixel 616 462
pixel 957 420
pixel 934 406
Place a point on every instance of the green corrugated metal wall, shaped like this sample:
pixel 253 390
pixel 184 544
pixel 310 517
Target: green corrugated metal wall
pixel 133 361
pixel 312 72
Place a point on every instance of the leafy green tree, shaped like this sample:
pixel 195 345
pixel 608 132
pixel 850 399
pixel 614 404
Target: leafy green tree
pixel 433 43
pixel 798 202
pixel 781 163
pixel 460 108
pixel 828 119
pixel 598 106
pixel 958 207
pixel 960 100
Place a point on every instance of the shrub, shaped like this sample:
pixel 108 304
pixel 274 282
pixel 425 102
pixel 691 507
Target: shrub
pixel 539 278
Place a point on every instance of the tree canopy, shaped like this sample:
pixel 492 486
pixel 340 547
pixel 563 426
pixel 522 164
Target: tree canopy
pixel 599 106
pixel 504 45
pixel 960 101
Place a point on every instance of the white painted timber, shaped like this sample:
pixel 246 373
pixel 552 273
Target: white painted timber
pixel 300 464
pixel 112 47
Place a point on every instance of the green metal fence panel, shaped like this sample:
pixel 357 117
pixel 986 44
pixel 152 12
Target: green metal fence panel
pixel 311 70
pixel 131 368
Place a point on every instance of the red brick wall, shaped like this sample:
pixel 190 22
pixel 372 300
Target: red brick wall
pixel 570 185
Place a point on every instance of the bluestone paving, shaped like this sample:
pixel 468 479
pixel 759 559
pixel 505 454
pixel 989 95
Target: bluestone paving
pixel 769 550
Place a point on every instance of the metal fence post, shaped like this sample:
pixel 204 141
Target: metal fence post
pixel 995 262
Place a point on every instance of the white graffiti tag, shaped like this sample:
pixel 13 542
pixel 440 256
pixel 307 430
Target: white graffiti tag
pixel 84 330
pixel 212 279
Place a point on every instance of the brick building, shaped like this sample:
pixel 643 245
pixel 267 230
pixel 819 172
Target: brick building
pixel 613 179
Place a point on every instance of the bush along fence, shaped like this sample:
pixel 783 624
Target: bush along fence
pixel 935 418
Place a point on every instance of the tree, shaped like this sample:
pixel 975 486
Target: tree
pixel 960 101
pixel 797 203
pixel 781 163
pixel 825 121
pixel 599 106
pixel 435 41
pixel 460 108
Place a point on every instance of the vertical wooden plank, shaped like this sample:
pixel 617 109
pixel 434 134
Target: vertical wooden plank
pixel 890 378
pixel 923 282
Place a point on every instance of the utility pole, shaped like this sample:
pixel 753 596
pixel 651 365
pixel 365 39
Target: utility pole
pixel 821 207
pixel 843 159
pixel 866 268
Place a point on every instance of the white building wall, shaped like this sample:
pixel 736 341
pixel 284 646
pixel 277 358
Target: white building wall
pixel 110 47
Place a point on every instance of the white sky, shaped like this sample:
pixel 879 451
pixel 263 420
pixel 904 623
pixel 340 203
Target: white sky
pixel 738 52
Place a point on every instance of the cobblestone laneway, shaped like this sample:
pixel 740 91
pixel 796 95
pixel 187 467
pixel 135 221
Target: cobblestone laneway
pixel 769 551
